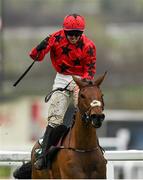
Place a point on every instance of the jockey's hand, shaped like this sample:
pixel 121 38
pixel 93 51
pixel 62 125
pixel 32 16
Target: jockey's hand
pixel 43 44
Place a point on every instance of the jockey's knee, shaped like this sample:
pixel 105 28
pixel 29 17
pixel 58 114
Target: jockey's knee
pixel 58 105
pixel 54 123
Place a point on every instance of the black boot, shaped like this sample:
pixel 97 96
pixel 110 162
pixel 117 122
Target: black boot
pixel 41 161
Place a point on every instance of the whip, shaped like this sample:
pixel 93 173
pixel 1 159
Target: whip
pixel 28 69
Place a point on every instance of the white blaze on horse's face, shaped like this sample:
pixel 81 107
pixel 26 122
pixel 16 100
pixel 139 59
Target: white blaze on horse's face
pixel 95 103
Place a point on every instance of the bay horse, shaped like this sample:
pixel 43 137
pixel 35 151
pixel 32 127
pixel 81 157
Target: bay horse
pixel 80 156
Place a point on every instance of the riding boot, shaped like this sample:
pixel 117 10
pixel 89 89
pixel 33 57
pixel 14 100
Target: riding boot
pixel 41 161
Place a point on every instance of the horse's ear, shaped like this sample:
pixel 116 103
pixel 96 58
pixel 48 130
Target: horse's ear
pixel 79 82
pixel 99 80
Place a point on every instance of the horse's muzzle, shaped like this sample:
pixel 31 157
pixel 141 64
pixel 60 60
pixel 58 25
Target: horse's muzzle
pixel 97 120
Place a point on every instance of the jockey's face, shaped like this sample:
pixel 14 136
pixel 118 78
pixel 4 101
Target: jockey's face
pixel 73 36
pixel 73 39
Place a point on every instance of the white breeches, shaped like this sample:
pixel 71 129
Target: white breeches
pixel 59 101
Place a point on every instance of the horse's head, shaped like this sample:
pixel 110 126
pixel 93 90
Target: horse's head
pixel 90 100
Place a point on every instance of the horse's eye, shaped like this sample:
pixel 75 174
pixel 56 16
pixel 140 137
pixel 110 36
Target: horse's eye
pixel 82 96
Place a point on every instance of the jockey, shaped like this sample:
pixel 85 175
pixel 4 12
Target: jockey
pixel 71 53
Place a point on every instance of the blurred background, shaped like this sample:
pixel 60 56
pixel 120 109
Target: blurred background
pixel 116 28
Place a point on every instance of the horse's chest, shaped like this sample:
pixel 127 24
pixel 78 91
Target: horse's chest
pixel 85 163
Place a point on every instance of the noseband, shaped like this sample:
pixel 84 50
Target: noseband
pixel 95 118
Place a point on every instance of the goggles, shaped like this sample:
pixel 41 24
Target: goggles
pixel 75 33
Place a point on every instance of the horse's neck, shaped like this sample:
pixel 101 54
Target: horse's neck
pixel 83 136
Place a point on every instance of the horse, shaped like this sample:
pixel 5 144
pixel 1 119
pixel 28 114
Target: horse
pixel 80 156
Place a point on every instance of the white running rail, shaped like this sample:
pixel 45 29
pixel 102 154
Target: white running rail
pixel 9 157
pixel 127 155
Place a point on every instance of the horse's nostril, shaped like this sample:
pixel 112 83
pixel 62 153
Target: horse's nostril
pixel 97 119
pixel 98 116
pixel 96 124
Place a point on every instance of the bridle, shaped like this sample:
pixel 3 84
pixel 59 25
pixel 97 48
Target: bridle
pixel 86 114
pixel 86 117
